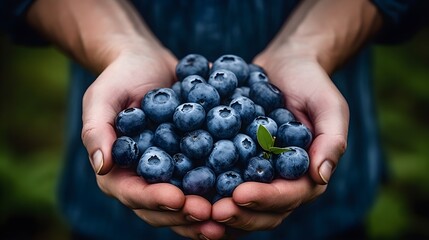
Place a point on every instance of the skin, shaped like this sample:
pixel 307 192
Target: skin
pixel 317 39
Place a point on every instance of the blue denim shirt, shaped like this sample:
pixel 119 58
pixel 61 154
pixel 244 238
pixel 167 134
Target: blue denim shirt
pixel 213 28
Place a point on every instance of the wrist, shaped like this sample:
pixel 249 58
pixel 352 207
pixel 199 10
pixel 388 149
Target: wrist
pixel 328 32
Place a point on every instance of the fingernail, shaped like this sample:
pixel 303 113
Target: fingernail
pixel 191 218
pixel 168 208
pixel 249 204
pixel 202 237
pixel 97 161
pixel 325 170
pixel 228 220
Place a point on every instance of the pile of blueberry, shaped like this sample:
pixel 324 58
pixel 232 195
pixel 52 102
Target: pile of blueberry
pixel 212 130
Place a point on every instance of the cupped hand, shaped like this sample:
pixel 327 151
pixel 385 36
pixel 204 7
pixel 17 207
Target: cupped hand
pixel 122 85
pixel 314 100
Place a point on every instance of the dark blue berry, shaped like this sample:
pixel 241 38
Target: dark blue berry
pixel 246 148
pixel 227 182
pixel 267 95
pixel 267 122
pixel 259 169
pixel 189 82
pixel 294 134
pixel 281 116
pixel 245 107
pixel 130 122
pixel 155 165
pixel 182 164
pixel 204 94
pixel 159 104
pixel 192 64
pixel 125 152
pixel 255 77
pixel 197 144
pixel 223 122
pixel 224 81
pixel 189 116
pixel 144 140
pixel 292 164
pixel 167 138
pixel 256 68
pixel 199 181
pixel 223 156
pixel 234 64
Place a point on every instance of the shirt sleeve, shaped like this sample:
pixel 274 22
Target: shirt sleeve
pixel 14 24
pixel 402 19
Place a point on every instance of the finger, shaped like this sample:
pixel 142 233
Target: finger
pixel 204 230
pixel 330 141
pixel 188 214
pixel 98 133
pixel 225 211
pixel 279 196
pixel 134 192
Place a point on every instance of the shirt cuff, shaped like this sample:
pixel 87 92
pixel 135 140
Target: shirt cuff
pixel 401 19
pixel 14 24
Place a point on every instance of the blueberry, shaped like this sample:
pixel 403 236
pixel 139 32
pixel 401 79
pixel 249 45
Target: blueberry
pixel 182 164
pixel 130 122
pixel 223 122
pixel 224 81
pixel 187 84
pixel 197 144
pixel 235 64
pixel 256 68
pixel 176 182
pixel 255 77
pixel 204 94
pixel 125 152
pixel 192 64
pixel 226 183
pixel 292 164
pixel 159 104
pixel 267 95
pixel 281 116
pixel 223 156
pixel 294 134
pixel 199 181
pixel 259 111
pixel 267 122
pixel 144 140
pixel 240 92
pixel 246 148
pixel 245 107
pixel 167 138
pixel 259 169
pixel 189 116
pixel 177 88
pixel 155 165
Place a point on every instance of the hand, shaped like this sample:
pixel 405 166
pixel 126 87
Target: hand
pixel 121 85
pixel 315 101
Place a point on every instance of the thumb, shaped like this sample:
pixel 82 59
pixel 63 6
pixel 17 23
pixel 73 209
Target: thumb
pixel 330 142
pixel 325 152
pixel 98 133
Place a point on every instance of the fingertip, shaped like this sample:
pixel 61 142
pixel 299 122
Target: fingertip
pixel 324 153
pixel 98 141
pixel 99 163
pixel 212 230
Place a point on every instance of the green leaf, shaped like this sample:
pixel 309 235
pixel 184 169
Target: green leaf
pixel 264 138
pixel 277 150
pixel 266 155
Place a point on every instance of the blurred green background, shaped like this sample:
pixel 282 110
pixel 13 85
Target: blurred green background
pixel 33 93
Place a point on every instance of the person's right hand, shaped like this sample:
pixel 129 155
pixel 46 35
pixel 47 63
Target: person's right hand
pixel 122 85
